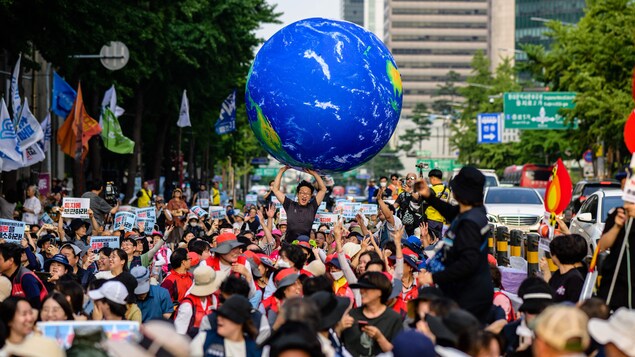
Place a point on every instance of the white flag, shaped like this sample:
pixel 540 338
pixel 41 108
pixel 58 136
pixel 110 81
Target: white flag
pixel 29 130
pixel 9 148
pixel 184 114
pixel 15 91
pixel 110 101
pixel 46 128
pixel 31 155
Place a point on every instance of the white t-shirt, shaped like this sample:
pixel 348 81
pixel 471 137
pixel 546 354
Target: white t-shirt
pixel 235 349
pixel 33 204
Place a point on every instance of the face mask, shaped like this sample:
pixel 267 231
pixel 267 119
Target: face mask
pixel 283 264
pixel 337 275
pixel 194 224
pixel 382 184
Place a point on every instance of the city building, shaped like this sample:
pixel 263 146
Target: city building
pixel 353 11
pixel 532 15
pixel 374 17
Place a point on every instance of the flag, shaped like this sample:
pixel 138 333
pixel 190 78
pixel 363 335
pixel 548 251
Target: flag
pixel 29 129
pixel 629 132
pixel 558 192
pixel 227 120
pixel 9 148
pixel 16 106
pixel 32 155
pixel 63 96
pixel 184 114
pixel 46 128
pixel 113 137
pixel 78 128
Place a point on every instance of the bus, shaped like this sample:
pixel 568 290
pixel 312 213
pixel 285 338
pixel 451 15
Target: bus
pixel 528 175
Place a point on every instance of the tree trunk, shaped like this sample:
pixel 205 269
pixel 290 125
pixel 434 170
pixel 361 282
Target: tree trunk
pixel 157 161
pixel 192 161
pixel 136 137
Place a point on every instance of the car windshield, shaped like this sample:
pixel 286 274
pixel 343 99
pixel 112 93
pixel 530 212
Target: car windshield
pixel 608 203
pixel 589 189
pixel 490 181
pixel 513 196
pixel 538 175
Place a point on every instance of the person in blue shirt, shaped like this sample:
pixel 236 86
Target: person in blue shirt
pixel 153 301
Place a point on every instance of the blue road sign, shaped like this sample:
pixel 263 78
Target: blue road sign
pixel 489 128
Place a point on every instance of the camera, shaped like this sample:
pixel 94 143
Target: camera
pixel 423 166
pixel 111 193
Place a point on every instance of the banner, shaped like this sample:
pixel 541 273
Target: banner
pixel 217 212
pixel 203 202
pixel 325 218
pixel 251 199
pixel 322 207
pixel 184 113
pixel 29 131
pixel 348 210
pixel 96 243
pixel 63 96
pixel 369 209
pixel 75 207
pixel 9 148
pixel 12 231
pixel 64 331
pixel 15 90
pixel 43 183
pixel 283 214
pixel 128 208
pixel 227 120
pixel 200 212
pixel 125 221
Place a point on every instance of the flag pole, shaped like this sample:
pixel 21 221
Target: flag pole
pixel 180 160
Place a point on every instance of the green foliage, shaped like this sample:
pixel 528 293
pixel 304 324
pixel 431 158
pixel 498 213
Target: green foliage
pixel 448 93
pixel 421 118
pixel 384 164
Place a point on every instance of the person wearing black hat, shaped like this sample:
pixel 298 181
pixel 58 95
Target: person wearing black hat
pixel 460 269
pixel 233 331
pixel 59 268
pixel 332 310
pixel 294 339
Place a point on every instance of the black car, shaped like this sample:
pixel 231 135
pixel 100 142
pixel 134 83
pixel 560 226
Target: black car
pixel 582 190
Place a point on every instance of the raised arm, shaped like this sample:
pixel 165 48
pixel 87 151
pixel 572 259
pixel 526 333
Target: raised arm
pixel 384 207
pixel 276 185
pixel 319 197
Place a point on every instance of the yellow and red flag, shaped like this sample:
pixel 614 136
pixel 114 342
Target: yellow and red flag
pixel 559 189
pixel 78 128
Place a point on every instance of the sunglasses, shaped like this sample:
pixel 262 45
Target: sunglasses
pixel 411 178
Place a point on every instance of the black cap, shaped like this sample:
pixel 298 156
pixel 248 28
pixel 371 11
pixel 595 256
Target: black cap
pixel 236 309
pixel 435 173
pixel 468 185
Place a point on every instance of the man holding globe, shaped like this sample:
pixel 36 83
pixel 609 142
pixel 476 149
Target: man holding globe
pixel 300 214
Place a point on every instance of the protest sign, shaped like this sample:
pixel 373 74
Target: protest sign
pixel 369 209
pixel 203 202
pixel 127 209
pixel 326 218
pixel 149 213
pixel 275 201
pixel 125 221
pixel 98 242
pixel 199 211
pixel 46 219
pixel 251 199
pixel 217 212
pixel 145 225
pixel 75 207
pixel 349 209
pixel 64 331
pixel 543 245
pixel 322 207
pixel 11 231
pixel 283 214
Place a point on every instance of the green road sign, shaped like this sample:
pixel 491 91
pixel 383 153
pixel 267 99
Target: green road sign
pixel 266 171
pixel 441 164
pixel 537 110
pixel 350 174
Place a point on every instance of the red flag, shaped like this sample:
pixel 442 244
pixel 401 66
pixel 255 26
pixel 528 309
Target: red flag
pixel 559 187
pixel 77 129
pixel 629 132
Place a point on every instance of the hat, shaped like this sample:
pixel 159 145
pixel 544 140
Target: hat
pixel 294 335
pixel 286 277
pixel 435 173
pixel 225 242
pixel 76 249
pixel 414 244
pixel 35 345
pixel 617 330
pixel 425 293
pixel 350 249
pixel 357 230
pixel 260 234
pixel 266 261
pixel 192 216
pixel 143 279
pixel 195 259
pixel 254 262
pixel 45 238
pixel 444 336
pixel 282 223
pixel 316 268
pixel 536 294
pixel 112 290
pixel 156 233
pixel 304 245
pixel 131 234
pixel 331 307
pixel 412 343
pixel 236 309
pixel 276 232
pixel 468 185
pixel 58 258
pixel 332 260
pixel 621 175
pixel 303 238
pixel 130 282
pixel 206 280
pixel 564 328
pixel 76 223
pixel 177 189
pixel 5 287
pixel 153 342
pixel 364 283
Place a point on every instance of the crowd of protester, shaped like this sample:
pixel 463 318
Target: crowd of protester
pixel 415 279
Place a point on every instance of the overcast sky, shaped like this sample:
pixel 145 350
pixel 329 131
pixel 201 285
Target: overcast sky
pixel 294 10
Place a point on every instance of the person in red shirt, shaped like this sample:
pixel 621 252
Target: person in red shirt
pixel 288 285
pixel 179 279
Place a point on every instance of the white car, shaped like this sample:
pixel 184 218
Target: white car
pixel 589 222
pixel 491 179
pixel 515 207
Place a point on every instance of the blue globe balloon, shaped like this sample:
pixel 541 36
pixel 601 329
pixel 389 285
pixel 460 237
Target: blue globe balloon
pixel 323 94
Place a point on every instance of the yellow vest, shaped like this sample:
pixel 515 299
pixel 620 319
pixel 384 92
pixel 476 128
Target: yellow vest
pixel 144 199
pixel 443 193
pixel 215 197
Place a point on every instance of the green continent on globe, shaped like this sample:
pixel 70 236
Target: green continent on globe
pixel 395 80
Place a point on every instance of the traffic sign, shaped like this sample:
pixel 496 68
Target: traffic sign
pixel 114 56
pixel 260 161
pixel 440 164
pixel 266 171
pixel 537 110
pixel 489 128
pixel 588 156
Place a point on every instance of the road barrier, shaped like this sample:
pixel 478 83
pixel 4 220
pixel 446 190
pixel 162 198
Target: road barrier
pixel 502 244
pixel 516 241
pixel 532 254
pixel 490 239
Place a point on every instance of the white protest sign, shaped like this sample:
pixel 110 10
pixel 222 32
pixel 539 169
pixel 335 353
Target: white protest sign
pixel 217 212
pixel 203 202
pixel 251 199
pixel 75 207
pixel 283 214
pixel 200 212
pixel 543 244
pixel 46 219
pixel 125 221
pixel 275 200
pixel 322 207
pixel 11 231
pixel 350 209
pixel 369 209
pixel 145 225
pixel 326 218
pixel 98 242
pixel 127 209
pixel 149 213
pixel 64 331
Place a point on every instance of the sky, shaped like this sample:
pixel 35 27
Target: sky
pixel 294 10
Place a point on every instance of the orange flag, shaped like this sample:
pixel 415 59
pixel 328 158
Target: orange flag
pixel 558 193
pixel 78 128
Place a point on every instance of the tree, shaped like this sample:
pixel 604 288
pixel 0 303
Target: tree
pixel 385 163
pixel 448 93
pixel 421 118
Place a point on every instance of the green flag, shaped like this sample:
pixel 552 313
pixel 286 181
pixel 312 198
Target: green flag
pixel 113 137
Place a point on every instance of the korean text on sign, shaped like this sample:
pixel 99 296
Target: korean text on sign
pixel 75 207
pixel 11 231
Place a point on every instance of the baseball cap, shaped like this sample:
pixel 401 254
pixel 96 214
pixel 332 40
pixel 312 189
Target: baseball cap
pixel 564 328
pixel 225 242
pixel 536 294
pixel 143 279
pixel 286 277
pixel 112 290
pixel 617 330
pixel 412 343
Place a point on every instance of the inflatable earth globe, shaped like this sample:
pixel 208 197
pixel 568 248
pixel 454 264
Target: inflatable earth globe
pixel 324 95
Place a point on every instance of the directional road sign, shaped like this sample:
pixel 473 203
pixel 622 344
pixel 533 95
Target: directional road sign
pixel 489 127
pixel 537 110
